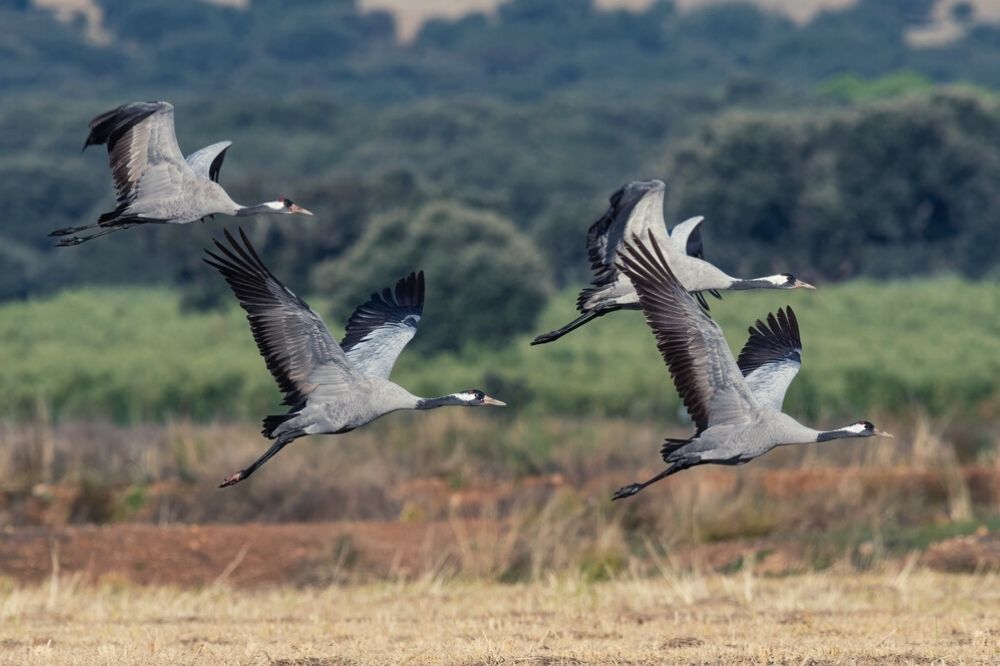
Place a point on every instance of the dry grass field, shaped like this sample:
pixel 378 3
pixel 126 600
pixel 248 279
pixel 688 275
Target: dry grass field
pixel 901 616
pixel 453 541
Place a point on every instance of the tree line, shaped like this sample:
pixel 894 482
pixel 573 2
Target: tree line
pixel 491 155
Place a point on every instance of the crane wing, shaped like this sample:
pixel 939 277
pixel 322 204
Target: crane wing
pixel 771 357
pixel 691 343
pixel 207 162
pixel 141 140
pixel 381 327
pixel 296 345
pixel 686 238
pixel 624 216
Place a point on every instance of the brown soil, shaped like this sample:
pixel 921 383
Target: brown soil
pixel 300 553
pixel 195 555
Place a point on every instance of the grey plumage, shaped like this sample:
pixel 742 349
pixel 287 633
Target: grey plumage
pixel 736 418
pixel 380 328
pixel 636 209
pixel 207 161
pixel 154 183
pixel 328 391
pixel 771 357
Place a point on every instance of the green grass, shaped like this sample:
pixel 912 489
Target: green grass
pixel 853 88
pixel 130 354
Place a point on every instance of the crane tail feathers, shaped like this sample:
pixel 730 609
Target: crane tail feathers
pixel 670 445
pixel 272 421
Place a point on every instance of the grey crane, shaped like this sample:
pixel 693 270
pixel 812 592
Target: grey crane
pixel 736 405
pixel 154 183
pixel 636 208
pixel 331 388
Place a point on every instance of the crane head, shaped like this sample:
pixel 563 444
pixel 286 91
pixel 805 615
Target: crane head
pixel 475 398
pixel 866 429
pixel 787 281
pixel 289 207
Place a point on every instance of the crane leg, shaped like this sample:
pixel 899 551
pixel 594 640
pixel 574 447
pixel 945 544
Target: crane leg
pixel 76 240
pixel 66 231
pixel 633 488
pixel 244 473
pixel 573 325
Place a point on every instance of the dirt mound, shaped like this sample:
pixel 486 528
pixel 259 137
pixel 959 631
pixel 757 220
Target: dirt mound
pixel 194 555
pixel 975 553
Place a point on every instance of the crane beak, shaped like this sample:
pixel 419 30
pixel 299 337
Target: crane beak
pixel 799 284
pixel 295 208
pixel 883 433
pixel 493 401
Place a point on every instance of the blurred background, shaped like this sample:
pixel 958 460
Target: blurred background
pixel 854 143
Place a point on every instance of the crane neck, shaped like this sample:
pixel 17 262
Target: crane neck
pixel 768 282
pixel 839 433
pixel 442 401
pixel 266 207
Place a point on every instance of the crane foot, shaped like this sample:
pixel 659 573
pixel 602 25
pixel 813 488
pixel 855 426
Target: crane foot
pixel 627 491
pixel 69 242
pixel 232 479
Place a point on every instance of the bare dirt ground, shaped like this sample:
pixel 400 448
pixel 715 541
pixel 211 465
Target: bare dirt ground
pixel 894 617
pixel 299 554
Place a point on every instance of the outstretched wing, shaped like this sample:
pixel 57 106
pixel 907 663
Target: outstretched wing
pixel 691 343
pixel 141 144
pixel 296 345
pixel 686 237
pixel 771 357
pixel 207 162
pixel 381 327
pixel 624 216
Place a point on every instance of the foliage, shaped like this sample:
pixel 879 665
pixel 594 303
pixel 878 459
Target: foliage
pixel 536 114
pixel 485 282
pixel 870 348
pixel 903 188
pixel 853 88
pixel 527 50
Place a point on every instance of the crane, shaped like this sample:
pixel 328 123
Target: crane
pixel 635 208
pixel 331 388
pixel 154 183
pixel 735 405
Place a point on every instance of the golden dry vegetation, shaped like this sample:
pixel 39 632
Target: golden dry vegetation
pixel 902 616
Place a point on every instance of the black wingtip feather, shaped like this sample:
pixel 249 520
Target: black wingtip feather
pixel 392 304
pixel 776 340
pixel 109 126
pixel 604 236
pixel 282 323
pixel 662 298
pixel 216 166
